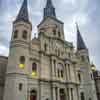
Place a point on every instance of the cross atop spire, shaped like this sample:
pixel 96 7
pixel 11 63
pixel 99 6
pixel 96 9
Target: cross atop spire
pixel 80 43
pixel 49 10
pixel 23 13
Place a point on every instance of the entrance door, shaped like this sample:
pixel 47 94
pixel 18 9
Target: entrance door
pixel 33 95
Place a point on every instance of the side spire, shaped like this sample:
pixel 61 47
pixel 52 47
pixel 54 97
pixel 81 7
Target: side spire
pixel 49 10
pixel 80 43
pixel 23 13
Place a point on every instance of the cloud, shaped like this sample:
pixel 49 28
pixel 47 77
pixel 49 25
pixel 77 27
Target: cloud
pixel 4 50
pixel 85 12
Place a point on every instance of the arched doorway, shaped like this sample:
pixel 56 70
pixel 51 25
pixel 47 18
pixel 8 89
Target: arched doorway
pixel 33 95
pixel 62 94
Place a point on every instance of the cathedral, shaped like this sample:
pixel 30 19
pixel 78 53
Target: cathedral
pixel 46 67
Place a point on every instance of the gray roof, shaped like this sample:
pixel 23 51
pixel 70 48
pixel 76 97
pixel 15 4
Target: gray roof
pixel 80 43
pixel 23 13
pixel 49 10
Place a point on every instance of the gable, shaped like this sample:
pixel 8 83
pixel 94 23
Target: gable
pixel 50 20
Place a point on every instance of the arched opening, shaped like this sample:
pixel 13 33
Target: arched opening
pixel 33 95
pixel 24 35
pixel 22 62
pixel 60 70
pixel 45 47
pixel 59 34
pixel 82 96
pixel 79 77
pixel 15 34
pixel 20 87
pixel 62 94
pixel 22 59
pixel 34 69
pixel 54 31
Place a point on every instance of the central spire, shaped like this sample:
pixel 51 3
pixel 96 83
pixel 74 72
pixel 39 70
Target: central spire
pixel 49 10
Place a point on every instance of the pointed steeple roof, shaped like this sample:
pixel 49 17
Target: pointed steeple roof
pixel 49 10
pixel 23 13
pixel 80 43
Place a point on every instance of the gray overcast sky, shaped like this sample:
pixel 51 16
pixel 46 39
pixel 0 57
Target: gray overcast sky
pixel 85 12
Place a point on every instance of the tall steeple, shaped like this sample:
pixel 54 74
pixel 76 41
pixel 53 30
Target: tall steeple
pixel 23 13
pixel 80 43
pixel 49 10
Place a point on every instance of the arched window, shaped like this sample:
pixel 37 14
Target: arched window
pixel 22 62
pixel 58 73
pixel 45 47
pixel 60 70
pixel 62 94
pixel 54 32
pixel 54 63
pixel 82 96
pixel 90 99
pixel 33 95
pixel 62 73
pixel 59 34
pixel 79 77
pixel 15 34
pixel 24 34
pixel 69 55
pixel 20 86
pixel 34 69
pixel 82 58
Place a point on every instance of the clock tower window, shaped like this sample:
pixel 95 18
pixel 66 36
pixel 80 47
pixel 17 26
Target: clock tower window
pixel 59 34
pixel 25 34
pixel 15 34
pixel 45 47
pixel 54 32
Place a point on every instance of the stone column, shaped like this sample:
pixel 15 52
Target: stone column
pixel 70 94
pixel 54 93
pixel 28 95
pixel 58 93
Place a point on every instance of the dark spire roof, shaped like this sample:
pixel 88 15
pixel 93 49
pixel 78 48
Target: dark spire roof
pixel 49 10
pixel 23 13
pixel 80 43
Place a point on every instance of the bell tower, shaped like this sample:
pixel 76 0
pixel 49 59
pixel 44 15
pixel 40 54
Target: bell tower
pixel 85 67
pixel 18 60
pixel 21 37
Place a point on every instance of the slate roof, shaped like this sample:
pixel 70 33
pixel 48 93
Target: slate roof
pixel 23 13
pixel 80 43
pixel 49 10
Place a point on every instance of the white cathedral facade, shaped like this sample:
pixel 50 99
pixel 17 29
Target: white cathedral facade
pixel 47 67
